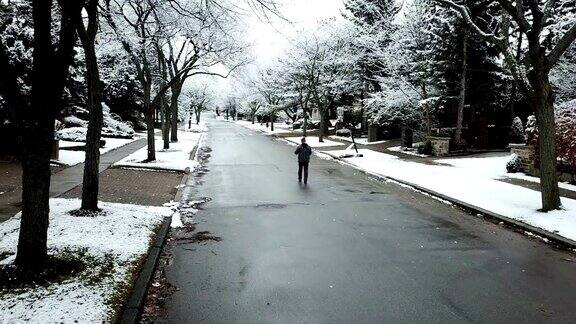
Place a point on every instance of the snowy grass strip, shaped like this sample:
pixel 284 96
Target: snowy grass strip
pixel 111 244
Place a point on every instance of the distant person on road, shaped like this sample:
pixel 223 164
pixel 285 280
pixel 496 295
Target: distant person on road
pixel 303 151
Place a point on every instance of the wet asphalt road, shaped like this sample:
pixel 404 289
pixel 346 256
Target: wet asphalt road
pixel 350 249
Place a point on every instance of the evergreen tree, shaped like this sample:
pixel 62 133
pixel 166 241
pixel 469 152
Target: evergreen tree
pixel 374 20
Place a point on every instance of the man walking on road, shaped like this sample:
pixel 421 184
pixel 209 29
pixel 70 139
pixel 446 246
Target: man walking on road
pixel 303 151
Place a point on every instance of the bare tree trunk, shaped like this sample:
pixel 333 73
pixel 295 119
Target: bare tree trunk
pixel 426 109
pixel 90 183
pixel 322 125
pixel 544 103
pixel 460 119
pixel 176 91
pixel 163 108
pixel 32 242
pixel 165 112
pixel 50 71
pixel 272 122
pixel 198 113
pixel 305 124
pixel 149 123
pixel 514 90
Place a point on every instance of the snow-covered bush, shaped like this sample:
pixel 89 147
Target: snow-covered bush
pixel 563 76
pixel 531 130
pixel 76 126
pixel 73 121
pixel 566 135
pixel 425 149
pixel 514 164
pixel 517 134
pixel 121 90
pixel 72 134
pixel 114 126
pixel 393 108
pixel 345 132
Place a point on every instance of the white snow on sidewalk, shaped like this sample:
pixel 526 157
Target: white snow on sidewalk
pixel 494 165
pixel 313 141
pixel 176 158
pixel 111 243
pixel 359 140
pixel 472 181
pixel 71 158
pixel 279 128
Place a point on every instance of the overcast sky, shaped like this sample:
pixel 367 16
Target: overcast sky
pixel 271 38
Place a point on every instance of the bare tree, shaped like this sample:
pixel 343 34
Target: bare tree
pixel 199 100
pixel 205 40
pixel 87 34
pixel 535 19
pixel 267 86
pixel 137 14
pixel 324 63
pixel 140 40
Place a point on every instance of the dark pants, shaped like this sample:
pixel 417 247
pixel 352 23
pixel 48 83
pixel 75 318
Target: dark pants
pixel 303 166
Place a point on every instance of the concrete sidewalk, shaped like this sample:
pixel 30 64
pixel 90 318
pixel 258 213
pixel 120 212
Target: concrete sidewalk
pixel 64 180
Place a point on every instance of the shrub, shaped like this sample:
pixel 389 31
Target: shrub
pixel 426 148
pixel 72 134
pixel 343 132
pixel 565 136
pixel 407 137
pixel 514 164
pixel 517 134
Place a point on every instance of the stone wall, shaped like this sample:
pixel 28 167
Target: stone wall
pixel 440 145
pixel 526 155
pixel 373 133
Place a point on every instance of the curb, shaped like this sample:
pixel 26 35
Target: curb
pixel 559 240
pixel 148 168
pixel 133 308
pixel 135 304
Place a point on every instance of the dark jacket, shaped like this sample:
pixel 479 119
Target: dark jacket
pixel 304 151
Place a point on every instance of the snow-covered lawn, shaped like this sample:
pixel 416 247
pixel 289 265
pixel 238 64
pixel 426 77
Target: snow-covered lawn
pixel 473 181
pixel 176 158
pixel 494 165
pixel 111 244
pixel 523 176
pixel 313 141
pixel 71 158
pixel 279 128
pixel 358 140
